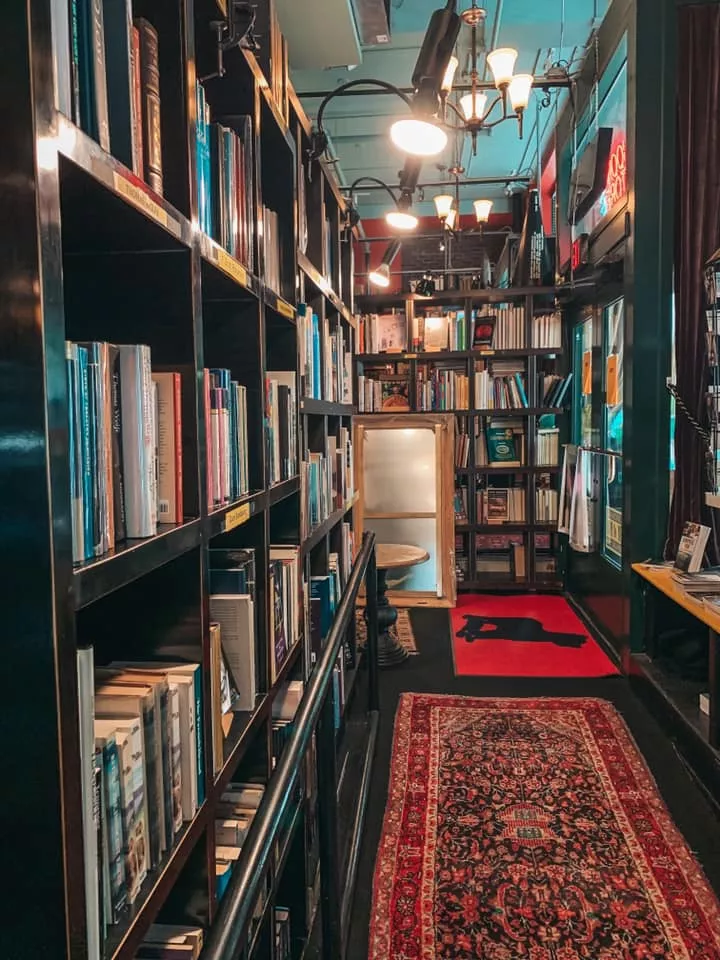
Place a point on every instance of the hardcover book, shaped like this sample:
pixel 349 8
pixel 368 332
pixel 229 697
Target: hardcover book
pixel 484 332
pixel 692 547
pixel 501 447
pixel 395 395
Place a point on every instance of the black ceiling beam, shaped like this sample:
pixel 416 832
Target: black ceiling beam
pixel 540 83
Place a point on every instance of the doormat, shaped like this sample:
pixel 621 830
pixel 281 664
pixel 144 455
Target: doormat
pixel 402 630
pixel 529 635
pixel 531 830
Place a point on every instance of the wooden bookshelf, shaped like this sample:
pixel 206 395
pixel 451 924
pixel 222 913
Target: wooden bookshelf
pixel 92 253
pixel 533 361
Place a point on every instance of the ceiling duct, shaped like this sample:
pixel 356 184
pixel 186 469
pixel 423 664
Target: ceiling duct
pixel 373 21
pixel 302 21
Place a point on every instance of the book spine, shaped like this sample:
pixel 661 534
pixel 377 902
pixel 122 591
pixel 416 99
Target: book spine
pixel 75 458
pixel 117 15
pixel 199 750
pixel 137 441
pixel 75 114
pixel 177 396
pixel 176 782
pixel 87 477
pixel 199 154
pixel 215 431
pixel 152 782
pixel 208 439
pixel 89 786
pixel 137 102
pixel 150 86
pixel 118 491
pixel 113 813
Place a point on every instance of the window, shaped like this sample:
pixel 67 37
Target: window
pixel 582 383
pixel 612 425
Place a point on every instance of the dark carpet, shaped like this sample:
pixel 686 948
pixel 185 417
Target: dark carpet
pixel 432 672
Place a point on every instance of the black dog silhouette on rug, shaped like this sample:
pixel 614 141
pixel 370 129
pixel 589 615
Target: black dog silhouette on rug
pixel 515 628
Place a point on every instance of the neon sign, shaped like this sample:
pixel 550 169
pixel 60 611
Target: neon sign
pixel 616 183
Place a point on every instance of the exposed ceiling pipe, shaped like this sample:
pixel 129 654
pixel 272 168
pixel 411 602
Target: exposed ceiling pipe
pixel 469 182
pixel 437 236
pixel 457 88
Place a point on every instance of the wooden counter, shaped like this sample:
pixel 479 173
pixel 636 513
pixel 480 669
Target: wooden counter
pixel 661 578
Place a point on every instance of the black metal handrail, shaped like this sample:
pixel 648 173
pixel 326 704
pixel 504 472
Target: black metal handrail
pixel 238 903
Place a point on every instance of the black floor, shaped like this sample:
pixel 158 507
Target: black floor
pixel 432 672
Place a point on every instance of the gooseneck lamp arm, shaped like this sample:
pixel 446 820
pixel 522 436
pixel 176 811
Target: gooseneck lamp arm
pixel 376 180
pixel 318 139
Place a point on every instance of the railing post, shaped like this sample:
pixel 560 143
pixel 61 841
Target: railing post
pixel 328 832
pixel 371 611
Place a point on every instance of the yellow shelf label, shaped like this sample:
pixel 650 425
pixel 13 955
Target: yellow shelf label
pixel 230 265
pixel 285 309
pixel 237 516
pixel 137 196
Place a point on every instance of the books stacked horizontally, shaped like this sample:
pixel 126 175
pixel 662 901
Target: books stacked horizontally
pixel 500 443
pixel 125 437
pixel 442 387
pixel 285 621
pixel 170 942
pixel 233 668
pixel 107 81
pixel 547 447
pixel 382 333
pixel 498 327
pixel 500 554
pixel 499 385
pixel 281 425
pixel 553 390
pixel 237 809
pixel 547 330
pixel 326 480
pixel 501 505
pixel 141 754
pixel 226 437
pixel 325 358
pixel 271 249
pixel 225 180
pixel 546 505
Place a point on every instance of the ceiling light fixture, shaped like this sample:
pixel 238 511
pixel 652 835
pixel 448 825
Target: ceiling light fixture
pixel 380 276
pixel 400 217
pixel 443 205
pixel 482 210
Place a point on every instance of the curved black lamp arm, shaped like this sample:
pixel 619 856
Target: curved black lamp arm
pixel 380 183
pixel 319 140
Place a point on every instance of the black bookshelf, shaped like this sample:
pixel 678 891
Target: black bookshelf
pixel 535 361
pixel 92 253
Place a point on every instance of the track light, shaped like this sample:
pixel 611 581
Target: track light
pixel 380 276
pixel 419 137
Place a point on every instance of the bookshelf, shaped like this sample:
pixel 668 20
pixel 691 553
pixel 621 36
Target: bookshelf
pixel 522 551
pixel 94 255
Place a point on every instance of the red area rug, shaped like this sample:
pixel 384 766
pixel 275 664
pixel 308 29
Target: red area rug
pixel 531 830
pixel 523 636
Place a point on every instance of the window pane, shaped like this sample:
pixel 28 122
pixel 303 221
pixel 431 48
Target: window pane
pixel 613 342
pixel 582 380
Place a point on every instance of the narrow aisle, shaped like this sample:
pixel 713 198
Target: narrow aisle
pixel 431 672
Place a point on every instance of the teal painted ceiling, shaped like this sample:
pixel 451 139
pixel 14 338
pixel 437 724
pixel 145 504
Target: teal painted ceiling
pixel 543 31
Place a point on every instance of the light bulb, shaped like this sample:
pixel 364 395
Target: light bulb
pixel 401 220
pixel 380 276
pixel 447 81
pixel 418 137
pixel 519 90
pixel 502 64
pixel 443 204
pixel 482 210
pixel 473 106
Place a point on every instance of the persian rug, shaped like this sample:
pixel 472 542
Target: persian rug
pixel 402 629
pixel 529 635
pixel 531 830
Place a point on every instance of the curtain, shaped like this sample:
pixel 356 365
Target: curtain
pixel 697 237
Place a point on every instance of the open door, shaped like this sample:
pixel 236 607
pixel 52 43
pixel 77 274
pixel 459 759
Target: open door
pixel 405 477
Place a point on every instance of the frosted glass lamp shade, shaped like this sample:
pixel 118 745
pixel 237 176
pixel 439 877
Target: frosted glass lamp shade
pixel 443 204
pixel 418 137
pixel 519 90
pixel 502 64
pixel 473 105
pixel 482 210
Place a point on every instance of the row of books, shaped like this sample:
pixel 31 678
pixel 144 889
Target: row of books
pixel 326 480
pixel 285 607
pixel 271 250
pixel 499 327
pixel 547 447
pixel 225 180
pixel 237 808
pixel 171 942
pixel 325 358
pixel 125 443
pixel 226 437
pixel 281 428
pixel 554 390
pixel 547 330
pixel 546 505
pixel 141 756
pixel 499 386
pixel 461 505
pixel 107 81
pixel 501 505
pixel 388 394
pixel 441 388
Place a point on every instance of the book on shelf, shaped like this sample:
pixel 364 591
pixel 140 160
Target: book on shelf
pixel 285 608
pixel 501 451
pixel 382 333
pixel 500 384
pixel 461 505
pixel 462 445
pixel 232 609
pixel 691 548
pixel 501 554
pixel 271 250
pixel 384 391
pixel 325 358
pixel 501 505
pixel 236 810
pixel 125 443
pixel 441 386
pixel 226 437
pixel 553 390
pixel 283 933
pixel 281 425
pixel 171 942
pixel 547 447
pixel 547 330
pixel 546 504
pixel 326 480
pixel 505 323
pixel 703 583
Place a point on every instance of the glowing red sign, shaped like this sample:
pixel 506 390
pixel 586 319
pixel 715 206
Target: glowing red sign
pixel 616 184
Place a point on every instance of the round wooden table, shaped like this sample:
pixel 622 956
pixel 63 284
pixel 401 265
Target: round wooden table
pixel 392 556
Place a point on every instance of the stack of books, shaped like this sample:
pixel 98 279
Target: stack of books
pixel 107 81
pixel 547 330
pixel 271 249
pixel 281 425
pixel 226 437
pixel 498 327
pixel 499 385
pixel 125 434
pixel 285 620
pixel 442 387
pixel 169 942
pixel 238 807
pixel 141 752
pixel 325 358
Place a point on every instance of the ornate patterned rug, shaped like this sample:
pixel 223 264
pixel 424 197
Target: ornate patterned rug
pixel 402 629
pixel 531 830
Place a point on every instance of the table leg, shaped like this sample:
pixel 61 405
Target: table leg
pixel 390 651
